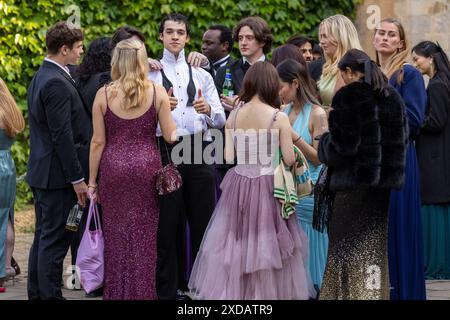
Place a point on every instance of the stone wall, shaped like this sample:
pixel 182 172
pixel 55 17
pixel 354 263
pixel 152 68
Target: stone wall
pixel 422 19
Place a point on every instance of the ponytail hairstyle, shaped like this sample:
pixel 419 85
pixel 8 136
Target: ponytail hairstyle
pixel 359 61
pixel 10 114
pixel 433 50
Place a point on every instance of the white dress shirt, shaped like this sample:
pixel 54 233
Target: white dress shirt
pixel 62 67
pixel 262 58
pixel 188 121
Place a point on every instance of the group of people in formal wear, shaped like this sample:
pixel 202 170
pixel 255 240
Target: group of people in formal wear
pixel 374 136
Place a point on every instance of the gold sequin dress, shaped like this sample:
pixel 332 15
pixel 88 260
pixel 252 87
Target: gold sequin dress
pixel 357 265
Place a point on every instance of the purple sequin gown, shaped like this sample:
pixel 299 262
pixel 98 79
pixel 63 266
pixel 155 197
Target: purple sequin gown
pixel 130 206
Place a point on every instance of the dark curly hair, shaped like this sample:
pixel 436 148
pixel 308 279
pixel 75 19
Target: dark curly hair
pixel 96 60
pixel 260 28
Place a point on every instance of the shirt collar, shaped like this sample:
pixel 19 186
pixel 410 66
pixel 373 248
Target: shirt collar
pixel 62 67
pixel 170 57
pixel 220 61
pixel 262 58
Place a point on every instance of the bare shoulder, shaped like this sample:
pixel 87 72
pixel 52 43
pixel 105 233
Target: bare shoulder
pixel 230 119
pixel 160 92
pixel 159 88
pixel 281 119
pixel 317 111
pixel 100 97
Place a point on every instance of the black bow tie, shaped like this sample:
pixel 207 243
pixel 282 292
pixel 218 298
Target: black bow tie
pixel 245 66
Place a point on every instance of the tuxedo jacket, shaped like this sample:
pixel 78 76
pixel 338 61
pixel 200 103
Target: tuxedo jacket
pixel 213 70
pixel 237 75
pixel 60 130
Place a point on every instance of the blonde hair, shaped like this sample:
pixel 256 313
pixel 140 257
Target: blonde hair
pixel 340 30
pixel 401 57
pixel 10 114
pixel 129 71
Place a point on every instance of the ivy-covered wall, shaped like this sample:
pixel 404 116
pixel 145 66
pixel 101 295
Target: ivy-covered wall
pixel 23 24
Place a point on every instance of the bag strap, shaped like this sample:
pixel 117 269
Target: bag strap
pixel 167 151
pixel 157 120
pixel 93 212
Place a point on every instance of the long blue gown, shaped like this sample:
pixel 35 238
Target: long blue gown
pixel 318 242
pixel 405 243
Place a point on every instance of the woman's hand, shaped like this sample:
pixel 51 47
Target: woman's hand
pixel 92 193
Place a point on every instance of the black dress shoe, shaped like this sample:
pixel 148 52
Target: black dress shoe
pixel 182 297
pixel 95 293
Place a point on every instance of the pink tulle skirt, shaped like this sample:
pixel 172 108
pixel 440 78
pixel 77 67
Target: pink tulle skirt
pixel 249 252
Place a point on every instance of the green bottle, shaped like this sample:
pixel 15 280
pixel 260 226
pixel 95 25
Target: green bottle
pixel 227 88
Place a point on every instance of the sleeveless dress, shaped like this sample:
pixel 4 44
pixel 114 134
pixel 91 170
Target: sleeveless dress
pixel 127 191
pixel 7 194
pixel 326 90
pixel 318 242
pixel 249 252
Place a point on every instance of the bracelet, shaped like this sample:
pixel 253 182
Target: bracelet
pixel 92 186
pixel 298 139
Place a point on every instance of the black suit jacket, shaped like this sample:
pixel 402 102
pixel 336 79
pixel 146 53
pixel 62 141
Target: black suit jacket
pixel 60 130
pixel 315 69
pixel 213 70
pixel 433 145
pixel 88 88
pixel 237 75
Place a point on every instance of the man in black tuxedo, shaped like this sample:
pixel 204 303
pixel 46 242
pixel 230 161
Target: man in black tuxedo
pixel 255 40
pixel 217 44
pixel 60 132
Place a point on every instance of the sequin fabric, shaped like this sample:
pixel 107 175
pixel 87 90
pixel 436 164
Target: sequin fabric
pixel 357 267
pixel 127 178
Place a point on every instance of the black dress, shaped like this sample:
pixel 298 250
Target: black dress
pixel 365 163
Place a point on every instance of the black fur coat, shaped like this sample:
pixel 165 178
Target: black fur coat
pixel 367 141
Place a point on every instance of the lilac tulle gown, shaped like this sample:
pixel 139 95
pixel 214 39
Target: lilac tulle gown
pixel 249 251
pixel 127 179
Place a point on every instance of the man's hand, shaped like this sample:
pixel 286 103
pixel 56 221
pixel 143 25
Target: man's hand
pixel 81 190
pixel 228 102
pixel 154 65
pixel 172 99
pixel 196 59
pixel 200 105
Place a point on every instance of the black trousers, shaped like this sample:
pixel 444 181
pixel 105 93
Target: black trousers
pixel 196 201
pixel 51 242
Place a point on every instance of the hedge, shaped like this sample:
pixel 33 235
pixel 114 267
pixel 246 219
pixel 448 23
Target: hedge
pixel 24 23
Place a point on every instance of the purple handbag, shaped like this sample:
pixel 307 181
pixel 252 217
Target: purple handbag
pixel 90 261
pixel 168 178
